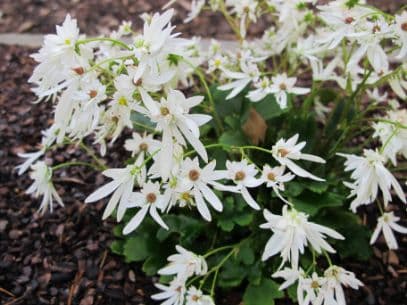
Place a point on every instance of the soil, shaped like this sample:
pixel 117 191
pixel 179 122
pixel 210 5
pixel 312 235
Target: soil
pixel 63 257
pixel 101 16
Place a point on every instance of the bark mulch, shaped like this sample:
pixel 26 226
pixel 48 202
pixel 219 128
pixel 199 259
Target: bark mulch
pixel 63 257
pixel 100 16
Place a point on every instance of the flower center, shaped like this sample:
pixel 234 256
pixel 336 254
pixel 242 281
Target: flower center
pixel 195 298
pixel 185 196
pixel 376 29
pixel 93 93
pixel 151 197
pixel 79 70
pixel 283 152
pixel 314 285
pixel 138 82
pixel 271 176
pixel 240 175
pixel 122 101
pixel 143 146
pixel 164 111
pixel 283 86
pixel 67 41
pixel 404 26
pixel 349 20
pixel 193 175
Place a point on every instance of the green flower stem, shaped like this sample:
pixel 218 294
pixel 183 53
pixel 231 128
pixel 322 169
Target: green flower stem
pixel 231 148
pixel 216 270
pixel 92 154
pixel 328 258
pixel 397 124
pixel 114 41
pixel 230 21
pixel 74 163
pixel 214 251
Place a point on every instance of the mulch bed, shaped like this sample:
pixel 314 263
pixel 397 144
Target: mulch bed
pixel 63 258
pixel 101 16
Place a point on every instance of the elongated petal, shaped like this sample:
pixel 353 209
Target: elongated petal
pixel 103 191
pixel 154 214
pixel 136 220
pixel 210 196
pixel 201 205
pixel 249 199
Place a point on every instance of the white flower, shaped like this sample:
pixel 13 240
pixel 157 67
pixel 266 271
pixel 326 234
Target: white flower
pixel 196 8
pixel 31 158
pixel 284 151
pixel 388 223
pixel 149 199
pixel 263 88
pixel 153 47
pixel 42 185
pixel 308 291
pixel 172 118
pixel 275 178
pixel 400 28
pixel 121 187
pixel 174 294
pixel 290 276
pixel 58 60
pixel 292 232
pixel 246 10
pixel 184 264
pixel 243 175
pixel 196 297
pixel 343 22
pixel 332 291
pixel 249 73
pixel 195 179
pixel 393 138
pixel 282 85
pixel 399 85
pixel 141 144
pixel 370 174
pixel 308 288
pixel 370 45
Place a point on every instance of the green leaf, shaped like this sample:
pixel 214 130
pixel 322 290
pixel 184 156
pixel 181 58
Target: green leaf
pixel 153 264
pixel 233 137
pixel 246 254
pixel 226 225
pixel 263 294
pixel 226 107
pixel 311 203
pixel 136 249
pixel 117 247
pixel 243 219
pixel 268 108
pixel 118 230
pixel 232 274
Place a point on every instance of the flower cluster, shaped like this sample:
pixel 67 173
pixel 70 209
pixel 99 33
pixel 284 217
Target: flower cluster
pixel 182 266
pixel 190 151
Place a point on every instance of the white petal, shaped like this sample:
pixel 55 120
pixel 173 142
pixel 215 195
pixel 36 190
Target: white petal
pixel 103 191
pixel 210 197
pixel 136 220
pixel 157 218
pixel 249 199
pixel 201 205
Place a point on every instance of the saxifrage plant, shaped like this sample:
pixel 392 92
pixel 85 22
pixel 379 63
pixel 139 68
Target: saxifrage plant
pixel 236 154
